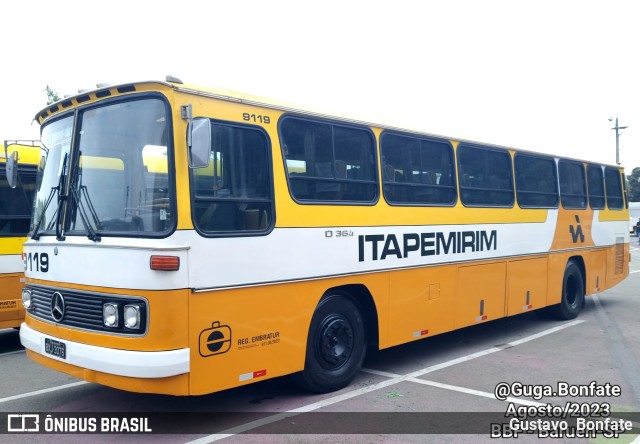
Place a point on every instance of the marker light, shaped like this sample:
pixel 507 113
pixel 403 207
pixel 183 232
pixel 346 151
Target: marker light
pixel 132 316
pixel 165 263
pixel 110 314
pixel 26 298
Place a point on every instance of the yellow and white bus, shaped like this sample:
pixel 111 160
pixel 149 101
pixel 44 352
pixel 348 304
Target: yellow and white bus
pixel 188 240
pixel 16 203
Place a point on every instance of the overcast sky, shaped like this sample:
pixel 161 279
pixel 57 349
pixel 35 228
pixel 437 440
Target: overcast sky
pixel 538 75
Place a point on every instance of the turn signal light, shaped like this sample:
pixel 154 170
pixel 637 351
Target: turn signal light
pixel 165 263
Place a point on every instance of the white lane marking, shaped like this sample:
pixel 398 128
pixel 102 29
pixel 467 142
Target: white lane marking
pixel 40 392
pixel 469 391
pixel 491 350
pixel 455 388
pixel 395 379
pixel 12 353
pixel 291 413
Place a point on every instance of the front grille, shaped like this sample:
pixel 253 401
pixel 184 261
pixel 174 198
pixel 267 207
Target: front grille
pixel 83 310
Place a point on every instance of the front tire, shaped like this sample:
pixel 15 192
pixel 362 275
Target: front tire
pixel 336 345
pixel 572 293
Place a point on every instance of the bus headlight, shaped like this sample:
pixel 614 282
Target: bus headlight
pixel 110 314
pixel 26 299
pixel 132 316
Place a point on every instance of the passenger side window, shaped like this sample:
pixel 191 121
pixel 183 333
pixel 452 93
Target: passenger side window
pixel 328 162
pixel 536 181
pixel 233 194
pixel 485 175
pixel 613 184
pixel 595 183
pixel 417 171
pixel 573 187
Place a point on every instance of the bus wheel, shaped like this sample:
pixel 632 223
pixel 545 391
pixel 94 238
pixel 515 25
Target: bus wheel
pixel 572 293
pixel 335 345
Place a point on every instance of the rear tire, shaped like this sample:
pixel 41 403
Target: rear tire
pixel 336 345
pixel 572 294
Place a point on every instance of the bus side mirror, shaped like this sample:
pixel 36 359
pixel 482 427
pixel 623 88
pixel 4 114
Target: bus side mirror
pixel 199 142
pixel 12 169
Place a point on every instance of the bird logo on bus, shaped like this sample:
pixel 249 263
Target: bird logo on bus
pixel 576 233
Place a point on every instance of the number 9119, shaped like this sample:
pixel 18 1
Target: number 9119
pixel 37 262
pixel 256 118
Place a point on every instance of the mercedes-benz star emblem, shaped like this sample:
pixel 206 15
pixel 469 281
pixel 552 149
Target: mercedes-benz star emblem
pixel 57 306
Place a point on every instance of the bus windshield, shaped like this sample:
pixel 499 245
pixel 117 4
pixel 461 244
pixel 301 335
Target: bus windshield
pixel 115 177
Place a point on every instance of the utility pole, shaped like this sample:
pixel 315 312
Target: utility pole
pixel 617 128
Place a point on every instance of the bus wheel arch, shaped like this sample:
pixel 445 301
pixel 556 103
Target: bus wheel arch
pixel 573 290
pixel 362 297
pixel 337 340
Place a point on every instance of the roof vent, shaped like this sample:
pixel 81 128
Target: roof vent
pixel 173 79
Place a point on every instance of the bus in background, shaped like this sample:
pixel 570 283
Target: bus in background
pixel 634 216
pixel 16 204
pixel 188 240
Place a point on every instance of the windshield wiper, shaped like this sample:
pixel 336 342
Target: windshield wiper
pixel 54 190
pixel 77 197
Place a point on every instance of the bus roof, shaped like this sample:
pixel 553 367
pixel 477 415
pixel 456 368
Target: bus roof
pixel 240 97
pixel 28 151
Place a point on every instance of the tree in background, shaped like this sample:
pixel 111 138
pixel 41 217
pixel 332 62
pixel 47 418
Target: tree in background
pixel 52 96
pixel 633 181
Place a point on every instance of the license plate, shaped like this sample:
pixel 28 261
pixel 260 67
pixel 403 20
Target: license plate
pixel 55 348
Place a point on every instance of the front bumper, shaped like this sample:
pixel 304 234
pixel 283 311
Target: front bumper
pixel 135 364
